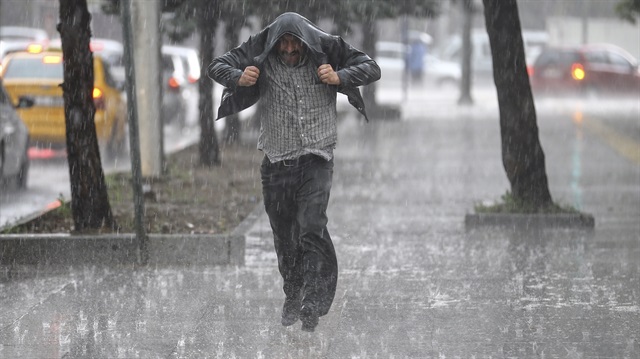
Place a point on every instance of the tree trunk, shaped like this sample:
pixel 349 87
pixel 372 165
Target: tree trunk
pixel 209 150
pixel 89 199
pixel 522 154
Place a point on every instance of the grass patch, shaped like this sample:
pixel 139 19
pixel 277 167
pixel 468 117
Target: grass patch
pixel 56 220
pixel 509 204
pixel 188 199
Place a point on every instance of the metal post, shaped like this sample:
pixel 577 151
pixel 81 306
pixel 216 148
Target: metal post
pixel 134 138
pixel 145 24
pixel 405 42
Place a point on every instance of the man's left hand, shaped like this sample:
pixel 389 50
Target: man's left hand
pixel 327 75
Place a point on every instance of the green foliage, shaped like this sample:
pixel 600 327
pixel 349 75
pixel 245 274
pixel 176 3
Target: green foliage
pixel 628 10
pixel 111 7
pixel 120 186
pixel 510 204
pixel 65 206
pixel 343 13
pixel 183 22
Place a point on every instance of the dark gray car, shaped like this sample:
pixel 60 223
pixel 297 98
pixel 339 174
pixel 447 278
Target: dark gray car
pixel 14 143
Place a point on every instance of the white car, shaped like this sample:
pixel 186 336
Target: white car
pixel 190 60
pixel 18 38
pixel 442 73
pixel 186 65
pixel 390 56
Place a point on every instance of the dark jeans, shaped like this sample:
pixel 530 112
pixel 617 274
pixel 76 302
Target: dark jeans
pixel 296 195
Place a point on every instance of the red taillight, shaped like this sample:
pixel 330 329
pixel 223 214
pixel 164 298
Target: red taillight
pixel 173 83
pixel 530 70
pixel 577 72
pixel 192 80
pixel 96 46
pixel 98 98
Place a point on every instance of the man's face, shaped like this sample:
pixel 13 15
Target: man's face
pixel 290 49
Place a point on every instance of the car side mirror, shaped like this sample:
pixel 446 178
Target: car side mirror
pixel 25 102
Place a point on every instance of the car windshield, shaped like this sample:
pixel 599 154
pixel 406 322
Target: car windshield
pixel 555 58
pixel 34 68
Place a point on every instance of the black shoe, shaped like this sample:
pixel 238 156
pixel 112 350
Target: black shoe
pixel 290 312
pixel 309 319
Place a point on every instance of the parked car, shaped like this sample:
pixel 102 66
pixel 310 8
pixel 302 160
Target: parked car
pixel 14 142
pixel 443 73
pixel 174 77
pixel 482 59
pixel 174 101
pixel 38 76
pixel 592 70
pixel 190 71
pixel 18 38
pixel 111 52
pixel 391 57
pixel 190 60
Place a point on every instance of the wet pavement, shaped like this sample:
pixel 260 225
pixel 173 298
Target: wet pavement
pixel 414 282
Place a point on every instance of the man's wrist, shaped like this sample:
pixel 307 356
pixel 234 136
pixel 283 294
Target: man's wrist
pixel 341 78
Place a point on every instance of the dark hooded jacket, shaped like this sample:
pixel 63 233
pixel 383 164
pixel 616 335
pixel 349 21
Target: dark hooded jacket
pixel 354 68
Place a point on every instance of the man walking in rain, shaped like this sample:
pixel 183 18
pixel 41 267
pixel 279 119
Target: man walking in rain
pixel 296 69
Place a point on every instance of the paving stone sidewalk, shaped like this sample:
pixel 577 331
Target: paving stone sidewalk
pixel 414 281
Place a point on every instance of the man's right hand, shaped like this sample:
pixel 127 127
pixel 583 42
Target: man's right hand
pixel 249 76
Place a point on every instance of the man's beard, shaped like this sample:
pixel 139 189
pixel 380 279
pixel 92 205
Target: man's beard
pixel 289 56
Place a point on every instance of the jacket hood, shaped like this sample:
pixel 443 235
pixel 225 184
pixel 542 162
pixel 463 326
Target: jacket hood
pixel 297 25
pixel 353 66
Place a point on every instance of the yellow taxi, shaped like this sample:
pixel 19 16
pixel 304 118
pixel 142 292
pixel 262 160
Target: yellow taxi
pixel 37 76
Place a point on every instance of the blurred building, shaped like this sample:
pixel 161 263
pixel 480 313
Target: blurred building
pixel 45 14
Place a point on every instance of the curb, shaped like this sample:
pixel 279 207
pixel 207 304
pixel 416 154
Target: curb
pixel 52 250
pixel 518 220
